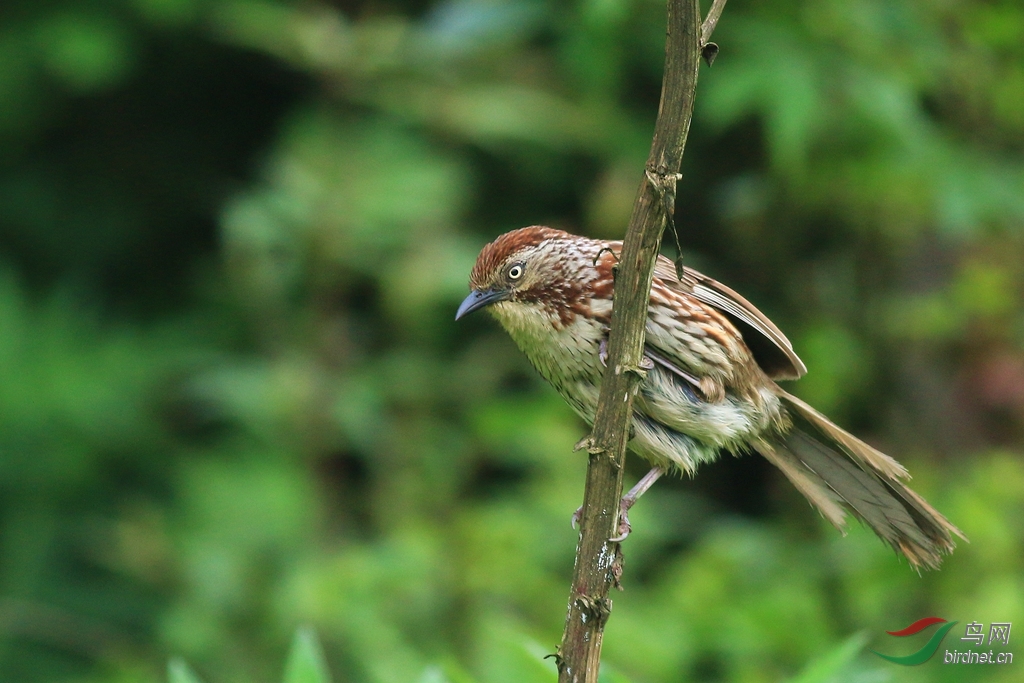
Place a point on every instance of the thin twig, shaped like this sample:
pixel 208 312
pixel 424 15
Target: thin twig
pixel 598 559
pixel 711 21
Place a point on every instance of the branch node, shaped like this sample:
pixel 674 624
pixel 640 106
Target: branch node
pixel 594 608
pixel 557 656
pixel 588 444
pixel 664 185
pixel 661 179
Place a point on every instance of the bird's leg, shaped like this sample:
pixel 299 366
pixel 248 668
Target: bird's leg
pixel 626 503
pixel 641 486
pixel 630 498
pixel 671 367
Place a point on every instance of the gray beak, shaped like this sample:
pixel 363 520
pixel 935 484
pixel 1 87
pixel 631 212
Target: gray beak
pixel 478 299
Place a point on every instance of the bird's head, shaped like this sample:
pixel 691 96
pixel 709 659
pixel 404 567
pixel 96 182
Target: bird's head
pixel 534 270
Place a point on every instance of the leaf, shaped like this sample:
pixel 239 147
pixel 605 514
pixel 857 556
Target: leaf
pixel 306 662
pixel 829 666
pixel 179 672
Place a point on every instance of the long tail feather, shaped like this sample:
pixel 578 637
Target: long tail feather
pixel 807 482
pixel 836 471
pixel 848 443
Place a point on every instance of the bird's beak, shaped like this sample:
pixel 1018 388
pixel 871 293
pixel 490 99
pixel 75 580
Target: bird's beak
pixel 480 298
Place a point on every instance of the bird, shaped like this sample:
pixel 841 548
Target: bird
pixel 712 362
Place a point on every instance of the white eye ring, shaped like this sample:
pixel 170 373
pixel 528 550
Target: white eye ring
pixel 515 272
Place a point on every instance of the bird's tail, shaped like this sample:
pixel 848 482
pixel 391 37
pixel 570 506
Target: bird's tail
pixel 837 473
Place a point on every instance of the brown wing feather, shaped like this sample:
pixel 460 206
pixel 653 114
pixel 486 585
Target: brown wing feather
pixel 772 350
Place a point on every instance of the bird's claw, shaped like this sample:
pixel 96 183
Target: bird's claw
pixel 624 526
pixel 602 354
pixel 626 503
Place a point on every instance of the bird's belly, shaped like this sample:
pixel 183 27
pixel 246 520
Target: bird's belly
pixel 672 424
pixel 726 423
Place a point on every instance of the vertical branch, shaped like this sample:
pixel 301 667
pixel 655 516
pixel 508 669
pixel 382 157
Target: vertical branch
pixel 598 560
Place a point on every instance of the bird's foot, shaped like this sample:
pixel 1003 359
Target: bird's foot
pixel 624 526
pixel 602 354
pixel 625 504
pixel 630 498
pixel 624 520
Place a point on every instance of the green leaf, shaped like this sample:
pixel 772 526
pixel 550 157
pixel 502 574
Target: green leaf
pixel 179 672
pixel 829 666
pixel 306 662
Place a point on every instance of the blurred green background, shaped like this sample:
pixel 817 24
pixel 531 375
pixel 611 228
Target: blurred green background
pixel 233 401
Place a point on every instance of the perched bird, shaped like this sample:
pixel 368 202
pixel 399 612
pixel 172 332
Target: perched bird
pixel 712 360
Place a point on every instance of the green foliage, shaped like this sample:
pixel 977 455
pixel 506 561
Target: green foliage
pixel 306 660
pixel 179 672
pixel 233 234
pixel 834 665
pixel 306 665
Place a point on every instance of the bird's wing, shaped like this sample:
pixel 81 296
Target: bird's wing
pixel 771 349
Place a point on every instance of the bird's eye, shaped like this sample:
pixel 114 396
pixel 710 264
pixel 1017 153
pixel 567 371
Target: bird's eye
pixel 515 272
